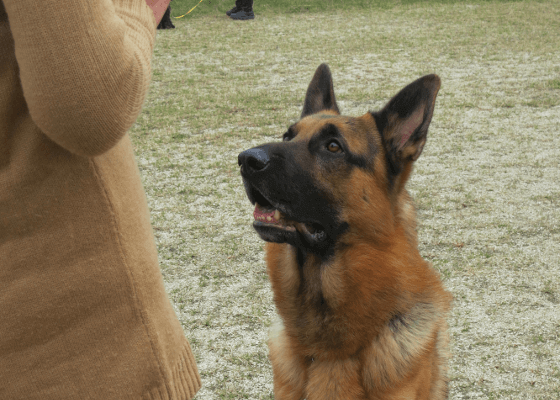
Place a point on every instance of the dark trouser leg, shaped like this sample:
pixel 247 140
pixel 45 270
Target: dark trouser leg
pixel 165 22
pixel 246 5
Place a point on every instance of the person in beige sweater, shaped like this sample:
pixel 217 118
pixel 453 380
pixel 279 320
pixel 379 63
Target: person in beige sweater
pixel 83 310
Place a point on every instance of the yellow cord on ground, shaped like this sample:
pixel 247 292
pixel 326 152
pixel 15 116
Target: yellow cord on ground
pixel 189 10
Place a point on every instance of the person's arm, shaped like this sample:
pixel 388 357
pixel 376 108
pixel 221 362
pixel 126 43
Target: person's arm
pixel 158 7
pixel 84 67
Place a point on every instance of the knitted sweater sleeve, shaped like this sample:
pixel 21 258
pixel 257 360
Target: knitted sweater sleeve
pixel 84 67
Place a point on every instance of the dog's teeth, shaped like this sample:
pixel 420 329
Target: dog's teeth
pixel 269 218
pixel 276 215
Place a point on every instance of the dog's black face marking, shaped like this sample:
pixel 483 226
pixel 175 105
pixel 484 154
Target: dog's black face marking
pixel 296 177
pixel 278 176
pixel 330 131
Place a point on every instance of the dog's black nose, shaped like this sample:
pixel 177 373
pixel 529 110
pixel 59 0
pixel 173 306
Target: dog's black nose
pixel 254 159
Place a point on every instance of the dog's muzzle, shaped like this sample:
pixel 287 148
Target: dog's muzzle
pixel 273 218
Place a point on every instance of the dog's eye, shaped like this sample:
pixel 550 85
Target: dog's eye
pixel 333 146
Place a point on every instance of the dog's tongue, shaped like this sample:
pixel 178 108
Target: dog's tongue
pixel 265 216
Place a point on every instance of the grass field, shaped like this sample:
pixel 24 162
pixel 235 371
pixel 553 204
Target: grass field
pixel 487 185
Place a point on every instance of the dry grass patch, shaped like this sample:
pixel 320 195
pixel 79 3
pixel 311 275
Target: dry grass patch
pixel 487 185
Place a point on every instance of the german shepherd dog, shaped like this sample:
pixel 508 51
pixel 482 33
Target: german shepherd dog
pixel 362 315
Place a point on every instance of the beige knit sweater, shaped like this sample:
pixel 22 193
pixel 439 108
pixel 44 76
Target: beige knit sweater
pixel 83 310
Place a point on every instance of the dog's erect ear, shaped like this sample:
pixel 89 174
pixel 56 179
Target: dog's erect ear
pixel 403 123
pixel 320 93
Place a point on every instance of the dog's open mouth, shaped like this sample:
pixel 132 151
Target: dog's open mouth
pixel 271 216
pixel 267 216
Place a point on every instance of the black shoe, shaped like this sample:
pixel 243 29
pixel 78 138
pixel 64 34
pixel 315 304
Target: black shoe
pixel 242 15
pixel 232 11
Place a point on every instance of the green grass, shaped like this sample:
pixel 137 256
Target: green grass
pixel 487 184
pixel 270 7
